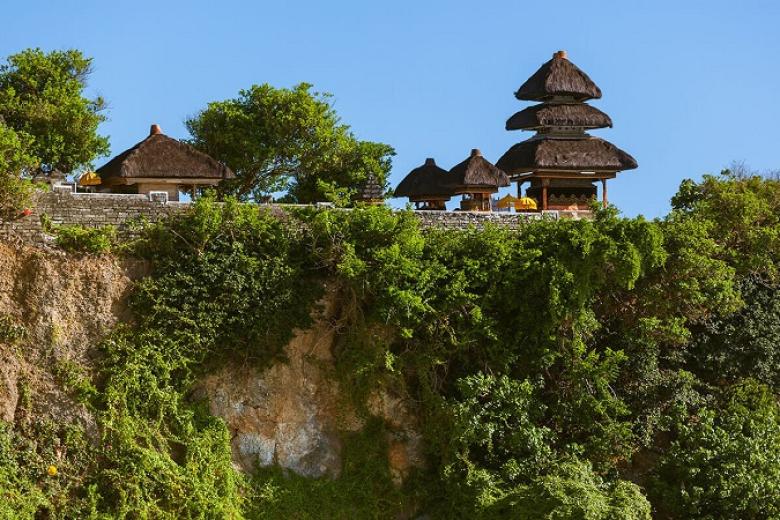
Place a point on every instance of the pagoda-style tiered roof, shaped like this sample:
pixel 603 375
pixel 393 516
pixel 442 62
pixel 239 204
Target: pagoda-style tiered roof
pixel 370 191
pixel 561 161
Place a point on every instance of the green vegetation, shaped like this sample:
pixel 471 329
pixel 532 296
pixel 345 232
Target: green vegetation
pixel 46 122
pixel 83 239
pixel 42 100
pixel 613 368
pixel 287 140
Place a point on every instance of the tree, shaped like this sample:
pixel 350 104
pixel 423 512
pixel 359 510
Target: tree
pixel 14 159
pixel 286 139
pixel 725 462
pixel 42 100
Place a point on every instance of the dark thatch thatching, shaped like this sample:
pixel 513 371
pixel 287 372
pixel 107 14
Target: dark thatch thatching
pixel 159 156
pixel 558 77
pixel 576 115
pixel 370 190
pixel 426 182
pixel 477 173
pixel 589 154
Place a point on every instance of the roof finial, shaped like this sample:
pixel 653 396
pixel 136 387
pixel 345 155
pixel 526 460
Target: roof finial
pixel 430 162
pixel 475 152
pixel 562 55
pixel 155 129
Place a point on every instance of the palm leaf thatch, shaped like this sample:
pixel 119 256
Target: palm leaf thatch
pixel 558 77
pixel 556 114
pixel 426 182
pixel 159 156
pixel 477 173
pixel 589 154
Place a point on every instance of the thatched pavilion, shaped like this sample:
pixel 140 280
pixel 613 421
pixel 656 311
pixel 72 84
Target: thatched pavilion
pixel 160 163
pixel 427 186
pixel 561 161
pixel 476 179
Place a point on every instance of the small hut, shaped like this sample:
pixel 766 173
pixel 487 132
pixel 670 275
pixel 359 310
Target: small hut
pixel 476 179
pixel 427 186
pixel 370 192
pixel 562 161
pixel 160 163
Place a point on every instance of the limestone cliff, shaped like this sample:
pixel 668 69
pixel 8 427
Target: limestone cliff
pixel 290 414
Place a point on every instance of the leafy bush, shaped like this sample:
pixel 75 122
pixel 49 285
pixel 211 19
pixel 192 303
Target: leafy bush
pixel 725 461
pixel 87 240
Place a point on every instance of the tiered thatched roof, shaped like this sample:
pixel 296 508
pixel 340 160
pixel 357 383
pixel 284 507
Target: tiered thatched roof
pixel 555 114
pixel 159 156
pixel 371 190
pixel 426 182
pixel 558 77
pixel 477 173
pixel 588 154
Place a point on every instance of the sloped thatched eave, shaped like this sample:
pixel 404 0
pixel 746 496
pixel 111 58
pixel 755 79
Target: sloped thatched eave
pixel 588 154
pixel 578 115
pixel 558 77
pixel 425 182
pixel 159 156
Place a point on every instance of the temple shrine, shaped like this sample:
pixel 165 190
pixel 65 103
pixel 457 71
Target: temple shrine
pixel 562 161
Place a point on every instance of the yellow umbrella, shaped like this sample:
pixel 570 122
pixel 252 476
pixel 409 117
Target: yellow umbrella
pixel 525 203
pixel 507 201
pixel 89 179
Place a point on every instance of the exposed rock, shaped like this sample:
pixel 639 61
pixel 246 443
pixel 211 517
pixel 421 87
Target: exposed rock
pixel 291 413
pixel 66 305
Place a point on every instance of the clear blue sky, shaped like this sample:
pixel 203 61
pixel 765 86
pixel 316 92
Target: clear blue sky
pixel 690 85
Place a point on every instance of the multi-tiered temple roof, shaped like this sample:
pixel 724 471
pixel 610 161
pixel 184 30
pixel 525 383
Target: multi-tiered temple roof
pixel 561 160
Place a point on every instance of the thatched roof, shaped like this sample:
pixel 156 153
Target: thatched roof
pixel 558 77
pixel 477 172
pixel 370 189
pixel 159 156
pixel 425 182
pixel 554 114
pixel 588 154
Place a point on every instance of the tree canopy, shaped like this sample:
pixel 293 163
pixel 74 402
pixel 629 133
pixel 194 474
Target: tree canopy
pixel 42 100
pixel 292 140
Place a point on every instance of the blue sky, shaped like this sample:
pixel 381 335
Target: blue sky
pixel 690 86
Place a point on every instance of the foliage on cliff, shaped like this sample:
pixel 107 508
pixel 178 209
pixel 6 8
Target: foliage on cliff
pixel 571 369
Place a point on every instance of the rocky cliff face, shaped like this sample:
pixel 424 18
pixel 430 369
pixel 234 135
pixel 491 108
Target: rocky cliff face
pixel 291 414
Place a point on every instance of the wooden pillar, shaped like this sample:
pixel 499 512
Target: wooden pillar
pixel 545 183
pixel 604 192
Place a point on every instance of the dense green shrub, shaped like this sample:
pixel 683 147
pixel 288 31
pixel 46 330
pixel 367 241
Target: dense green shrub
pixel 547 365
pixel 725 460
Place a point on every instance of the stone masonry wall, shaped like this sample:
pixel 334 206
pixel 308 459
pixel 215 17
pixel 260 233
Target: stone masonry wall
pixel 100 209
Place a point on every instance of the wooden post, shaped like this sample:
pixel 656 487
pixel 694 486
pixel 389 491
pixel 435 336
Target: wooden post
pixel 545 183
pixel 604 192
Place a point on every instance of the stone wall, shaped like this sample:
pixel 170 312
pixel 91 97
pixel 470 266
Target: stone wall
pixel 121 210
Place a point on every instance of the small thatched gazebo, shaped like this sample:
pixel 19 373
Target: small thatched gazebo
pixel 562 161
pixel 160 163
pixel 476 179
pixel 427 186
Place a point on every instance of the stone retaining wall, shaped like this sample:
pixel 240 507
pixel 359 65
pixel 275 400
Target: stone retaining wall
pixel 62 206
